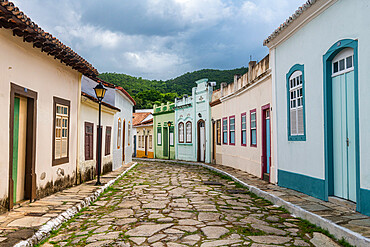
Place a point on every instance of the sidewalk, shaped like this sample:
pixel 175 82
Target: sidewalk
pixel 338 220
pixel 21 223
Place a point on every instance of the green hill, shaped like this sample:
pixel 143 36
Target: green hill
pixel 148 92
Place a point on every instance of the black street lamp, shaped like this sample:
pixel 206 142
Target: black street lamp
pixel 100 93
pixel 169 123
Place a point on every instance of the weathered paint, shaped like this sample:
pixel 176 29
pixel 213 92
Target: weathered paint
pixel 15 146
pixel 26 66
pixel 89 113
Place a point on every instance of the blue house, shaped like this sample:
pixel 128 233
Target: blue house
pixel 193 123
pixel 320 66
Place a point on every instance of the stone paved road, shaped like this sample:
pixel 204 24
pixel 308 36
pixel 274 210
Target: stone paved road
pixel 158 204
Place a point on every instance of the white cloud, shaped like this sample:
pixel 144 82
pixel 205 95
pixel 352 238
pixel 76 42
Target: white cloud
pixel 160 39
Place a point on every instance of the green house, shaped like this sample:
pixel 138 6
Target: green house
pixel 164 131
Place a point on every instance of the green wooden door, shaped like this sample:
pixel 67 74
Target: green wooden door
pixel 165 142
pixel 15 147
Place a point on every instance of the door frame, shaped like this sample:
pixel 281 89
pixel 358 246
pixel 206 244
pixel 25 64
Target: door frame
pixel 198 138
pixel 328 115
pixel 123 140
pixel 30 178
pixel 264 144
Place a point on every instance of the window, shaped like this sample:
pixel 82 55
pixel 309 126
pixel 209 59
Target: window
pixel 296 118
pixel 89 141
pixel 188 132
pixel 150 141
pixel 232 130
pixel 172 129
pixel 224 130
pixel 181 132
pixel 143 141
pixel 343 62
pixel 129 133
pixel 119 133
pixel 108 134
pixel 253 128
pixel 61 131
pixel 218 127
pixel 244 129
pixel 159 136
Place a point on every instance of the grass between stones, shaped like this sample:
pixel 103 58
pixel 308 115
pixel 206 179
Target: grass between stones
pixel 304 225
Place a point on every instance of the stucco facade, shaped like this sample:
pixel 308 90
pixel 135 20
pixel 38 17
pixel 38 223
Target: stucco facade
pixel 144 134
pixel 120 156
pixel 193 142
pixel 89 115
pixel 35 74
pixel 309 45
pixel 164 138
pixel 237 105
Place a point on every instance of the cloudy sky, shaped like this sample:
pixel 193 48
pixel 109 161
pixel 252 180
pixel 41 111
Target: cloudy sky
pixel 162 39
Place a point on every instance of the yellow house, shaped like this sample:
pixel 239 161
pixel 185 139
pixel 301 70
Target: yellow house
pixel 143 137
pixel 40 81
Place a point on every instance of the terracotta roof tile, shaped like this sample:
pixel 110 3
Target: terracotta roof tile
pixel 288 21
pixel 12 18
pixel 138 117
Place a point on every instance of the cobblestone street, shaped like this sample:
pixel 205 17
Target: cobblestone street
pixel 158 204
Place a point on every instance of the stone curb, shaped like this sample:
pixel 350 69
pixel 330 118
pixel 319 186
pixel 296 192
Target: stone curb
pixel 339 232
pixel 55 223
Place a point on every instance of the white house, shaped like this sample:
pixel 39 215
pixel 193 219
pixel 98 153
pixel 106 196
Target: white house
pixel 320 59
pixel 121 123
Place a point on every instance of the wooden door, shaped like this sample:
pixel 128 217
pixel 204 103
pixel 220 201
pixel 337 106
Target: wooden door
pixel 123 141
pixel 344 149
pixel 201 141
pixel 165 142
pixel 22 143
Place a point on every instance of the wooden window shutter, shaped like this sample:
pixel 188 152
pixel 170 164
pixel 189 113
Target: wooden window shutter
pixel 108 134
pixel 89 128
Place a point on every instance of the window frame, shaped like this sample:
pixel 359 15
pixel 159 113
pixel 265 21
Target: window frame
pixel 129 133
pixel 181 132
pixel 191 132
pixel 218 132
pixel 254 111
pixel 108 137
pixel 159 137
pixel 293 69
pixel 67 103
pixel 225 140
pixel 244 114
pixel 91 150
pixel 232 143
pixel 150 140
pixel 172 130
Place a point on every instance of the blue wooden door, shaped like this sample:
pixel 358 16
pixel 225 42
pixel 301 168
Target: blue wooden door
pixel 344 149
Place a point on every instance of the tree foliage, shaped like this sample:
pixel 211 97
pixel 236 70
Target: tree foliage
pixel 149 92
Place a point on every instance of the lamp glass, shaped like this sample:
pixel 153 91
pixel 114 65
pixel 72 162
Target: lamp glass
pixel 100 91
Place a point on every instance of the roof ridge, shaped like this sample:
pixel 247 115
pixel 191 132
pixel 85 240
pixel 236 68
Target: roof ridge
pixel 289 20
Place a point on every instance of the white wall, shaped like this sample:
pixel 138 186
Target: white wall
pixel 90 113
pixel 28 67
pixel 344 20
pixel 126 107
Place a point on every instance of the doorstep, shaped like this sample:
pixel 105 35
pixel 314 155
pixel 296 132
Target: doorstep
pixel 337 218
pixel 25 220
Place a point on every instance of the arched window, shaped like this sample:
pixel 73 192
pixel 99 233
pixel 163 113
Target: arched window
pixel 296 113
pixel 188 132
pixel 119 134
pixel 181 132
